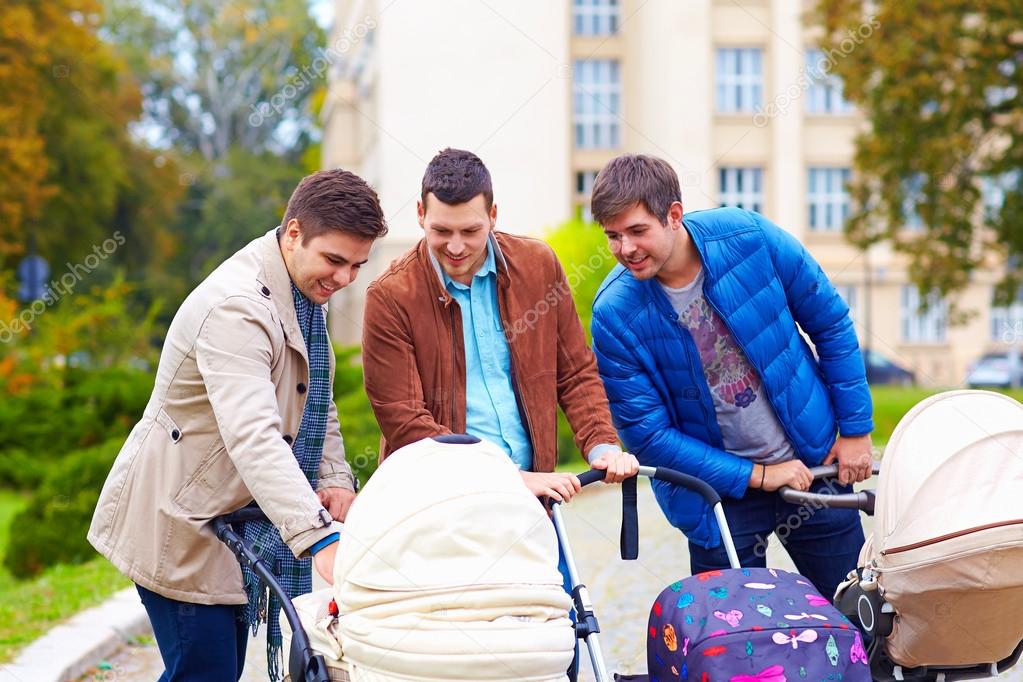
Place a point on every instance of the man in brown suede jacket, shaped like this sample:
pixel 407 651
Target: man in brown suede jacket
pixel 474 331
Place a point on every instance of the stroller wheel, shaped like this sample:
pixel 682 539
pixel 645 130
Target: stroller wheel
pixel 872 616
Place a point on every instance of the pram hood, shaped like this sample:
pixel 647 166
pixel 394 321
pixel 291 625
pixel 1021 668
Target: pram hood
pixel 448 563
pixel 948 540
pixel 954 465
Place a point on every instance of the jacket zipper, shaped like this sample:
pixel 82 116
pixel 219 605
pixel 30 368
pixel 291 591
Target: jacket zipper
pixel 696 372
pixel 525 414
pixel 950 536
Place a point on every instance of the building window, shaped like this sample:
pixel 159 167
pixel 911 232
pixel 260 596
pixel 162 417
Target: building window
pixel 1007 322
pixel 824 95
pixel 848 294
pixel 597 93
pixel 596 17
pixel 740 85
pixel 913 196
pixel 742 187
pixel 584 189
pixel 993 190
pixel 926 326
pixel 828 198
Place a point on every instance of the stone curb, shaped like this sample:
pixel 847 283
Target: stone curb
pixel 73 648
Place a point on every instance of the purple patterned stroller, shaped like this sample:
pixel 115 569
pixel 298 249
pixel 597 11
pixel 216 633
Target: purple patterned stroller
pixel 733 625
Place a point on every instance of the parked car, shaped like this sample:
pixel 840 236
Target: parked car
pixel 881 370
pixel 994 370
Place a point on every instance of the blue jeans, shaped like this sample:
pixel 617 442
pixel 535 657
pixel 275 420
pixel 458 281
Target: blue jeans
pixel 824 543
pixel 198 642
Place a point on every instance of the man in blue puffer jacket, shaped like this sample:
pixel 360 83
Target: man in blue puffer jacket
pixel 697 338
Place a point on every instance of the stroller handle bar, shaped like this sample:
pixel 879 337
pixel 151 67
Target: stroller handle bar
pixel 305 664
pixel 662 474
pixel 863 500
pixel 686 481
pixel 587 627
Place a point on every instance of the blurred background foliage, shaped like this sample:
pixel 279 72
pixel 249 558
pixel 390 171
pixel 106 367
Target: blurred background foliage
pixel 148 123
pixel 183 125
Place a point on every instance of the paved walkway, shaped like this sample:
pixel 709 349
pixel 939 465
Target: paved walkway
pixel 622 591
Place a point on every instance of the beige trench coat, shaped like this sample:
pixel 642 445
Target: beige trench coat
pixel 228 401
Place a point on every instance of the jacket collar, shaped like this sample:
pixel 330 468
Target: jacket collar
pixel 653 286
pixel 274 278
pixel 438 279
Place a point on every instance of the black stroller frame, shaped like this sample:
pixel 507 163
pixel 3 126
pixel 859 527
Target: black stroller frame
pixel 864 608
pixel 303 662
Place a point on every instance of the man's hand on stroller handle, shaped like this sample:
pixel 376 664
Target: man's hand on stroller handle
pixel 854 455
pixel 337 501
pixel 557 486
pixel 618 464
pixel 770 477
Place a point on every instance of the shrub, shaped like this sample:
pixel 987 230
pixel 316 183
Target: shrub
pixel 358 423
pixel 52 528
pixel 43 424
pixel 582 249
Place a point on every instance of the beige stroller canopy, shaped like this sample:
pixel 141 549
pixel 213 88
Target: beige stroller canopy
pixel 947 549
pixel 954 464
pixel 448 568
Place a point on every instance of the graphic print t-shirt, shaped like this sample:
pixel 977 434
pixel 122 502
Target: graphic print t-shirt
pixel 749 426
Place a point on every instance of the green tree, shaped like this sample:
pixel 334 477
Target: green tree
pixel 940 83
pixel 23 163
pixel 72 173
pixel 582 249
pixel 232 90
pixel 220 74
pixel 227 210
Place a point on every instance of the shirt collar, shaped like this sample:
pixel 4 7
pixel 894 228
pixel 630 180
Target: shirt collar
pixel 488 268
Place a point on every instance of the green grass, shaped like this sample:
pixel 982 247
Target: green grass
pixel 30 608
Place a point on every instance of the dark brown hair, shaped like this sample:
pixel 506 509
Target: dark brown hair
pixel 455 176
pixel 336 200
pixel 634 179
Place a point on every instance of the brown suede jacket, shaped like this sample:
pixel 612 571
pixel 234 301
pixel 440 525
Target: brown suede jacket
pixel 414 355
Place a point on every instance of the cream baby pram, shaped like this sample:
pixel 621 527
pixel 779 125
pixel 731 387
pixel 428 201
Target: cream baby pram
pixel 940 588
pixel 447 567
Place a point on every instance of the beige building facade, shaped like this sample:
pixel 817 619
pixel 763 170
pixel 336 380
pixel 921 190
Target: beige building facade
pixel 733 95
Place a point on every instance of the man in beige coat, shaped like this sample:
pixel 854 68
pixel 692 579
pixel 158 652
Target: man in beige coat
pixel 234 381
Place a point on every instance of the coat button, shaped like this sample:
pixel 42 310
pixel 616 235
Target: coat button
pixel 301 388
pixel 266 291
pixel 288 439
pixel 175 435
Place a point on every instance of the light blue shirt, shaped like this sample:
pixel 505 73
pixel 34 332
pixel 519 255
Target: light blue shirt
pixel 491 409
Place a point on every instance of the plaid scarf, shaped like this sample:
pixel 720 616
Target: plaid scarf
pixel 294 575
